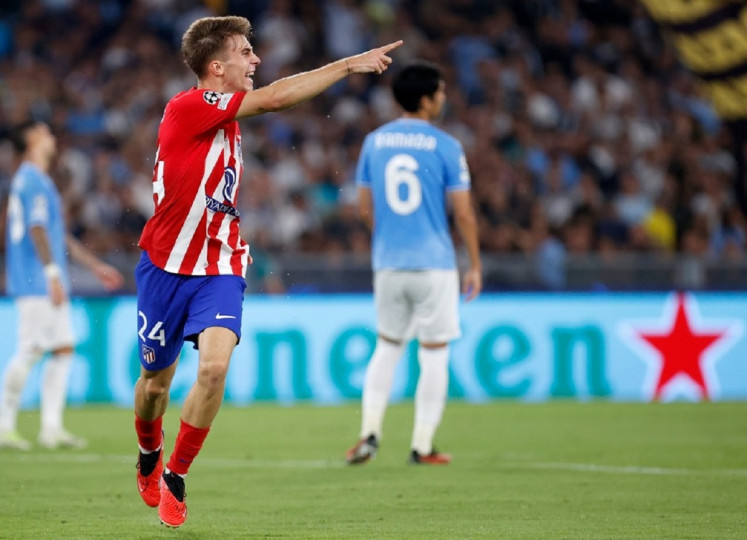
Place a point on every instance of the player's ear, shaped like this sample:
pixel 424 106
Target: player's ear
pixel 215 68
pixel 425 102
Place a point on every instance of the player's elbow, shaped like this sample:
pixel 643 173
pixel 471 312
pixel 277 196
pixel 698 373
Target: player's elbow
pixel 276 104
pixel 261 103
pixel 364 214
pixel 465 220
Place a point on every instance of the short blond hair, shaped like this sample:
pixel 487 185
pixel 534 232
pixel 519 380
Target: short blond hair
pixel 206 38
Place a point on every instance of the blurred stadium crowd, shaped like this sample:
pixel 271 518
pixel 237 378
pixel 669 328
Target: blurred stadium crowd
pixel 583 132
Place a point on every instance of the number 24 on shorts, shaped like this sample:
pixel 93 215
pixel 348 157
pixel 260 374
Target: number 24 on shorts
pixel 156 332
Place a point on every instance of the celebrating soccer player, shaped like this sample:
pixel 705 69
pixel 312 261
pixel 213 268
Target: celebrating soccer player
pixel 190 279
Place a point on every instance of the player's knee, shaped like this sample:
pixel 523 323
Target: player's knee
pixel 390 340
pixel 27 358
pixel 155 389
pixel 212 372
pixel 62 351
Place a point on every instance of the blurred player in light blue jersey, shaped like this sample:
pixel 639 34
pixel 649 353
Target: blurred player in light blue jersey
pixel 37 276
pixel 408 172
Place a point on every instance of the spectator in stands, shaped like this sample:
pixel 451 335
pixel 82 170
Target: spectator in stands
pixel 539 85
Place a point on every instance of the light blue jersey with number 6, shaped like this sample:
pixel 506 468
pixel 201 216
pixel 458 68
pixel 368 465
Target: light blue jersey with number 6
pixel 33 201
pixel 409 165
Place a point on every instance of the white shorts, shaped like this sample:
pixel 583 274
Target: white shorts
pixel 423 304
pixel 42 326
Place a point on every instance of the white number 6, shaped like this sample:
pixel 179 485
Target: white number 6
pixel 401 170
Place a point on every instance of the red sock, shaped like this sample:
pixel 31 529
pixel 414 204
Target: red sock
pixel 187 446
pixel 149 435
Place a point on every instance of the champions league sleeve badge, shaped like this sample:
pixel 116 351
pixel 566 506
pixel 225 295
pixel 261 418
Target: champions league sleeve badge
pixel 211 97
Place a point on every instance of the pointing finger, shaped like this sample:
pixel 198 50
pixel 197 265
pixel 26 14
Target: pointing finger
pixel 390 46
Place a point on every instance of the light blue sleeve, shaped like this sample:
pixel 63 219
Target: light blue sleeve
pixel 362 170
pixel 457 171
pixel 34 201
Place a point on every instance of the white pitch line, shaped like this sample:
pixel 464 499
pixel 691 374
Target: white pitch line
pixel 34 457
pixel 593 468
pixel 625 469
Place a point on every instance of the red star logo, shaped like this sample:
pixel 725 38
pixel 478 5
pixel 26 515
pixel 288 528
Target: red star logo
pixel 681 350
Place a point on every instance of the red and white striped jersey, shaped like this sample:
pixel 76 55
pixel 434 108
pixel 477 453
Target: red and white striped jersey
pixel 195 227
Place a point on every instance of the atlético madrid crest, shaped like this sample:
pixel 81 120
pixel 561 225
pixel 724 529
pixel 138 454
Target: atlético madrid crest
pixel 149 355
pixel 681 349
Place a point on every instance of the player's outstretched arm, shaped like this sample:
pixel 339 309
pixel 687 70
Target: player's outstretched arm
pixel 289 91
pixel 109 276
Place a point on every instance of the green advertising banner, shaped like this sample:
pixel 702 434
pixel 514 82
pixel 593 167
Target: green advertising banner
pixel 531 347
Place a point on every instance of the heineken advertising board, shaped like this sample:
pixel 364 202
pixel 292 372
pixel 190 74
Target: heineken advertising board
pixel 530 347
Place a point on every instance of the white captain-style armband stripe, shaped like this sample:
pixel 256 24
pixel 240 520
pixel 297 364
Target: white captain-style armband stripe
pixel 51 271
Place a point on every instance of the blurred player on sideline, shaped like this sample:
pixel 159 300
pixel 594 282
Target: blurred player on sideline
pixel 407 172
pixel 191 276
pixel 37 276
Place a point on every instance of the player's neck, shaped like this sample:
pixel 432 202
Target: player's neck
pixel 39 159
pixel 211 83
pixel 418 115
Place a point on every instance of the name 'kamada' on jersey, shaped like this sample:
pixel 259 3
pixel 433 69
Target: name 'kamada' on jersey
pixel 418 141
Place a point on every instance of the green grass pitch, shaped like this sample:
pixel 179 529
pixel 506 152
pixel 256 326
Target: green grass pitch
pixel 547 471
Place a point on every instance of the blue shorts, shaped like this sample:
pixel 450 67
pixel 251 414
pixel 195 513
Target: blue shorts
pixel 174 308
